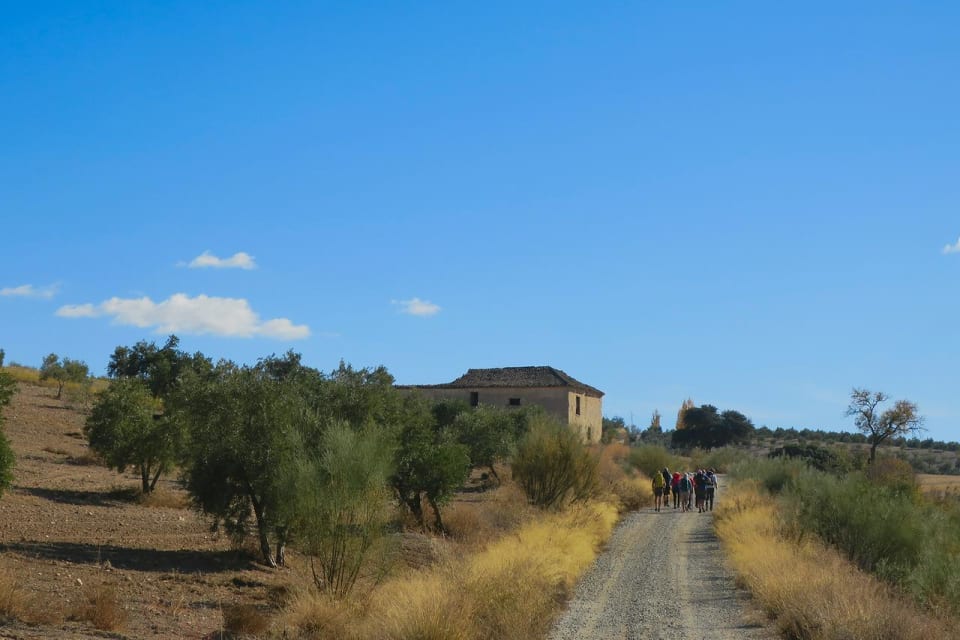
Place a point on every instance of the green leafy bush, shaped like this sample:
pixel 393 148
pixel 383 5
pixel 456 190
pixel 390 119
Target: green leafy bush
pixel 553 466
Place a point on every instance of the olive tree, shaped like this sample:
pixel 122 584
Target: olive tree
pixel 489 435
pixel 430 464
pixel 126 429
pixel 64 371
pixel 899 420
pixel 248 430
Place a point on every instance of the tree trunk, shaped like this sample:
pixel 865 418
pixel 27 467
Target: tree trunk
pixel 873 451
pixel 156 476
pixel 438 522
pixel 262 533
pixel 144 479
pixel 416 507
pixel 59 390
pixel 281 546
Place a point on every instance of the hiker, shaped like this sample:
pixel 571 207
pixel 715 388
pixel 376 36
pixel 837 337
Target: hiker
pixel 659 484
pixel 684 485
pixel 711 487
pixel 699 489
pixel 689 491
pixel 667 477
pixel 675 488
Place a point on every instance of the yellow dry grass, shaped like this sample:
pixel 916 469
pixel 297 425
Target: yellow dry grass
pixel 808 589
pixel 510 588
pixel 938 484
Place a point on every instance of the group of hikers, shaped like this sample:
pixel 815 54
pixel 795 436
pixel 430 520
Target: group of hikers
pixel 688 489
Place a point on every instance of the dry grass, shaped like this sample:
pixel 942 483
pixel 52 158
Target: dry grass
pixel 12 599
pixel 808 589
pixel 492 515
pixel 508 585
pixel 101 607
pixel 621 482
pixel 163 499
pixel 244 620
pixel 939 484
pixel 18 604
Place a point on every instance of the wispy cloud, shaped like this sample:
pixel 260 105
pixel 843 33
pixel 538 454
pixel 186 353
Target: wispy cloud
pixel 227 317
pixel 952 248
pixel 30 291
pixel 239 260
pixel 417 307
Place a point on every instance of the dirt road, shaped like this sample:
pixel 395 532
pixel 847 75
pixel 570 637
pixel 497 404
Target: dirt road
pixel 662 577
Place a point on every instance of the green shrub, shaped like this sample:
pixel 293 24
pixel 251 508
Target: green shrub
pixel 340 504
pixel 553 466
pixel 650 459
pixel 721 459
pixel 774 475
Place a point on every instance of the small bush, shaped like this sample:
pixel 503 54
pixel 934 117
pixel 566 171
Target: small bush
pixel 650 459
pixel 774 475
pixel 553 466
pixel 244 619
pixel 101 607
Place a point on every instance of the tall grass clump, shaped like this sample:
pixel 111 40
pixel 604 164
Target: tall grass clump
pixel 774 475
pixel 510 591
pixel 553 466
pixel 620 480
pixel 807 589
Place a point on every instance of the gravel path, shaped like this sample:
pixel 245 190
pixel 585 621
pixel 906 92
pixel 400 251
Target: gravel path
pixel 677 557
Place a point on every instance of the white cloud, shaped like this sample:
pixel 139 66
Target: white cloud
pixel 952 248
pixel 77 311
pixel 239 260
pixel 228 317
pixel 30 291
pixel 417 307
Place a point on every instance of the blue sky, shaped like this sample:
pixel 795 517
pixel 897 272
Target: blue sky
pixel 751 204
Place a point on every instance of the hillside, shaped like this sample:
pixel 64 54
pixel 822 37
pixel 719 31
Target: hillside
pixel 71 529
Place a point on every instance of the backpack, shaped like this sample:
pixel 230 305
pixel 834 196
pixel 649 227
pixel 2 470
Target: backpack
pixel 658 481
pixel 684 484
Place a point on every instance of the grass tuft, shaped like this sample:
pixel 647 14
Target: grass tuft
pixel 101 607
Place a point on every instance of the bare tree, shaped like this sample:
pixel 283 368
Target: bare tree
pixel 900 419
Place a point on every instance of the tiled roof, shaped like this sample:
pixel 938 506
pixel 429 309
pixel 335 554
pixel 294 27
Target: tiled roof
pixel 519 377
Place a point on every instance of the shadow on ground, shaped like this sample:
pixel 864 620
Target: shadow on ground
pixel 134 559
pixel 114 498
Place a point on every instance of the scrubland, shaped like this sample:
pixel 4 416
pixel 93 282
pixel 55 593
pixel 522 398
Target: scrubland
pixel 843 558
pixel 82 554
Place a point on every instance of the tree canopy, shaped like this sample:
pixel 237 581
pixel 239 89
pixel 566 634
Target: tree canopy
pixel 900 419
pixel 125 428
pixel 63 371
pixel 706 427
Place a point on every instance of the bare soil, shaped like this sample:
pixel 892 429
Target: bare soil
pixel 69 527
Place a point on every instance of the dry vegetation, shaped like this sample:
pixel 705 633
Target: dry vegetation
pixel 808 589
pixel 82 554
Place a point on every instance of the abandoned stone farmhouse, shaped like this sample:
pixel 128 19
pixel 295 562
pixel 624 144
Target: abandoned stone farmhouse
pixel 571 401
